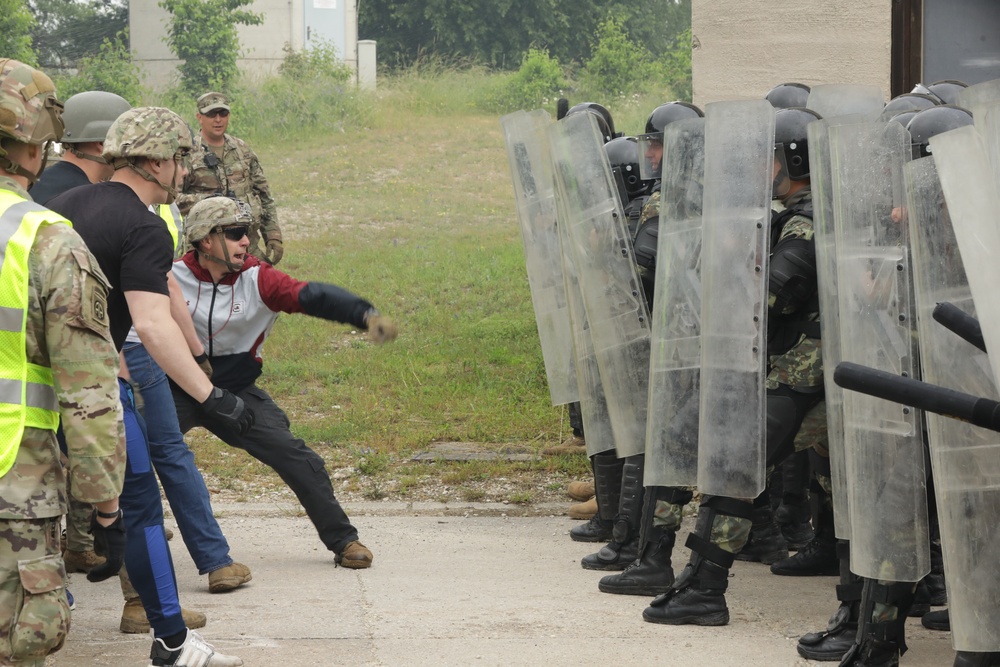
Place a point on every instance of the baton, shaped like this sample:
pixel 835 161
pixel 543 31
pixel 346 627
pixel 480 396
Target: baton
pixel 977 411
pixel 960 322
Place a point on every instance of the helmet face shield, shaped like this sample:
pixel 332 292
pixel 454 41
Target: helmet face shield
pixel 781 183
pixel 650 155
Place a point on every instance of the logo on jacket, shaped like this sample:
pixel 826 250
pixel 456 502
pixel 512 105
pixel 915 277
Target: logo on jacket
pixel 238 307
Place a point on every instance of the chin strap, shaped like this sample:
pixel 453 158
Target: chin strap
pixel 85 156
pixel 12 167
pixel 119 163
pixel 227 262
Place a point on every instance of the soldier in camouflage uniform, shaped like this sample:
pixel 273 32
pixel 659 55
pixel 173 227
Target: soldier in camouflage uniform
pixel 66 350
pixel 794 387
pixel 223 165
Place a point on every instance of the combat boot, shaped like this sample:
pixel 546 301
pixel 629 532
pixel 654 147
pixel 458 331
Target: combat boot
pixel 881 643
pixel 818 558
pixel 831 644
pixel 937 620
pixel 81 561
pixel 608 489
pixel 134 621
pixel 624 545
pixel 766 544
pixel 355 556
pixel 581 491
pixel 585 511
pixel 228 578
pixel 651 574
pixel 698 597
pixel 970 659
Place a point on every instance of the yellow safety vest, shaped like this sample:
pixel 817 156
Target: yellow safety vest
pixel 165 211
pixel 27 392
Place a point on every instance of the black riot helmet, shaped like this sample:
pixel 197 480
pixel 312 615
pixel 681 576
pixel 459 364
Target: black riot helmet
pixel 623 154
pixel 651 143
pixel 909 102
pixel 903 117
pixel 791 147
pixel 932 122
pixel 947 90
pixel 788 95
pixel 605 123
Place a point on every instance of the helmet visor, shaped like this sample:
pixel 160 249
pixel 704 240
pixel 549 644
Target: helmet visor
pixel 650 155
pixel 781 183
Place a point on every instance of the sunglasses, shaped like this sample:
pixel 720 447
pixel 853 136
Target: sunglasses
pixel 234 233
pixel 217 112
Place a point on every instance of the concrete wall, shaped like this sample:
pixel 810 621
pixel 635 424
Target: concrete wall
pixel 742 48
pixel 260 46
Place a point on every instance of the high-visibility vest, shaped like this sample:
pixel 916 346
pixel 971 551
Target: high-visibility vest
pixel 167 214
pixel 27 392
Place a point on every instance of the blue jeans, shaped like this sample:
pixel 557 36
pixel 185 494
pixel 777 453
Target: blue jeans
pixel 174 463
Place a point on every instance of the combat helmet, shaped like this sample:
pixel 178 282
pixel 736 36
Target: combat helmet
pixel 153 133
pixel 787 95
pixel 29 111
pixel 214 215
pixel 791 146
pixel 88 116
pixel 932 122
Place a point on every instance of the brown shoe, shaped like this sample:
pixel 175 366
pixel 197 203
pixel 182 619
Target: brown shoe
pixel 82 561
pixel 581 491
pixel 228 578
pixel 169 533
pixel 134 621
pixel 574 444
pixel 585 510
pixel 355 556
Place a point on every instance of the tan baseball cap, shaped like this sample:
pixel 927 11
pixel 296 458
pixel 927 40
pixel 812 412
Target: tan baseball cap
pixel 211 101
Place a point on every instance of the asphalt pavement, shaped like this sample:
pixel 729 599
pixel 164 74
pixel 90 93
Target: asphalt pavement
pixel 456 585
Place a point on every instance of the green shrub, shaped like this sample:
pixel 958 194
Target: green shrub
pixel 675 66
pixel 320 61
pixel 111 69
pixel 618 66
pixel 536 83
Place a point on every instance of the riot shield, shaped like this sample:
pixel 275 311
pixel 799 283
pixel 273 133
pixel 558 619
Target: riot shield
pixel 988 124
pixel 965 459
pixel 534 192
pixel 883 440
pixel 609 283
pixel 964 169
pixel 739 167
pixel 675 355
pixel 976 98
pixel 831 100
pixel 821 176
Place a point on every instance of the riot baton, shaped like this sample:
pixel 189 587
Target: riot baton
pixel 958 321
pixel 923 395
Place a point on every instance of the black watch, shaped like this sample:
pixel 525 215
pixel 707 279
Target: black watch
pixel 109 515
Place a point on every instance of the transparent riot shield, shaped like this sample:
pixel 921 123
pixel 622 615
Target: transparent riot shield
pixel 965 459
pixel 675 355
pixel 534 193
pixel 964 169
pixel 609 283
pixel 988 124
pixel 831 100
pixel 883 440
pixel 821 176
pixel 739 168
pixel 976 98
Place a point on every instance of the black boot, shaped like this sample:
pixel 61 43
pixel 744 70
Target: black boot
pixel 842 630
pixel 818 558
pixel 936 620
pixel 794 514
pixel 608 489
pixel 698 597
pixel 624 545
pixel 651 573
pixel 880 644
pixel 766 545
pixel 970 659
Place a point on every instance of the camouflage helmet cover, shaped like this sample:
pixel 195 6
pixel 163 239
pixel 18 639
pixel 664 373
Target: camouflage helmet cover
pixel 214 213
pixel 29 110
pixel 89 115
pixel 149 132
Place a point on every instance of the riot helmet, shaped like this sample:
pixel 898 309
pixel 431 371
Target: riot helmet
pixel 29 112
pixel 605 123
pixel 623 154
pixel 787 95
pixel 154 133
pixel 946 90
pixel 651 143
pixel 932 122
pixel 903 117
pixel 909 102
pixel 791 148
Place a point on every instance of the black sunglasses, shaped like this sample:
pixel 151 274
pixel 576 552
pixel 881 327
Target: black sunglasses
pixel 234 233
pixel 217 112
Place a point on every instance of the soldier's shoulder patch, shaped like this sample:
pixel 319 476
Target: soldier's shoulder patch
pixel 91 288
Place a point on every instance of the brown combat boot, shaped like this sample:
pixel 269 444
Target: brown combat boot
pixel 583 511
pixel 134 621
pixel 82 561
pixel 580 491
pixel 228 578
pixel 574 444
pixel 355 556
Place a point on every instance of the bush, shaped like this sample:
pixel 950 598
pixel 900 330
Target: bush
pixel 675 66
pixel 321 61
pixel 618 66
pixel 16 22
pixel 539 80
pixel 111 69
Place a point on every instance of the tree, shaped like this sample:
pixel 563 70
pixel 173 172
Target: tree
pixel 202 33
pixel 67 30
pixel 15 31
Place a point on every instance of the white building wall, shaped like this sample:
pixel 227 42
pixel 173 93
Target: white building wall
pixel 742 48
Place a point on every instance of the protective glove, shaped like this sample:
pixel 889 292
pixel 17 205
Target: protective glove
pixel 274 251
pixel 228 408
pixel 204 364
pixel 381 329
pixel 109 541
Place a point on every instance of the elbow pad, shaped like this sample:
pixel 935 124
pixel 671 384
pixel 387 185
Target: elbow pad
pixel 792 274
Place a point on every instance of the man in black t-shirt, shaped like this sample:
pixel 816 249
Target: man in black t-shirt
pixel 147 146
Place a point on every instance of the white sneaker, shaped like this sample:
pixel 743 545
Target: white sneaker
pixel 194 652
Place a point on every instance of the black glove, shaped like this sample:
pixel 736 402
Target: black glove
pixel 109 541
pixel 228 408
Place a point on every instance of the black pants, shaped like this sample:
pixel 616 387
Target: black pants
pixel 786 408
pixel 271 442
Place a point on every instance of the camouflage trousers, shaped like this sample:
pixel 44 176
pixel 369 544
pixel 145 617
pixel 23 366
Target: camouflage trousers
pixel 34 611
pixel 78 537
